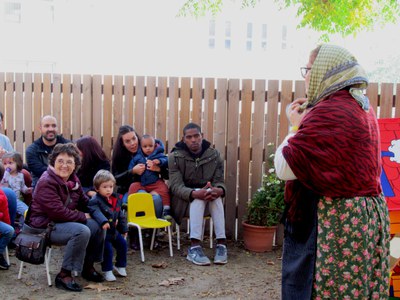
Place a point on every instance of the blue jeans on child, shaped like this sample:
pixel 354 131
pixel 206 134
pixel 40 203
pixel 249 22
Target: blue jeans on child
pixel 119 243
pixel 6 234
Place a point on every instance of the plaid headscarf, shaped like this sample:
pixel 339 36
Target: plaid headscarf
pixel 334 69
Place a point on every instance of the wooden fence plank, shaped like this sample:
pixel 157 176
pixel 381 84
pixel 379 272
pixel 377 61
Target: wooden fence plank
pixel 172 127
pixel 150 105
pixel 232 155
pixel 47 107
pixel 139 105
pixel 197 100
pixel 257 141
pixel 208 116
pixel 397 102
pixel 28 123
pixel 221 117
pixel 372 93
pixel 386 100
pixel 8 122
pixel 244 146
pixel 286 99
pixel 107 114
pixel 98 109
pixel 117 105
pixel 57 97
pixel 19 107
pixel 272 119
pixel 66 120
pixel 184 116
pixel 87 109
pixel 76 106
pixel 161 124
pixel 129 107
pixel 299 89
pixel 2 95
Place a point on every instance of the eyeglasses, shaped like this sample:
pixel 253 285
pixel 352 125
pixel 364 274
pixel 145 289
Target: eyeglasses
pixel 69 163
pixel 304 71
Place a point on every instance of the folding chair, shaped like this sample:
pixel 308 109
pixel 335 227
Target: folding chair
pixel 7 256
pixel 141 214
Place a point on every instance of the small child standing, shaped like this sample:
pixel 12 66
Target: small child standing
pixel 151 154
pixel 105 208
pixel 6 230
pixel 14 179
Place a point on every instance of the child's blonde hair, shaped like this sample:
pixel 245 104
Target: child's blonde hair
pixel 101 177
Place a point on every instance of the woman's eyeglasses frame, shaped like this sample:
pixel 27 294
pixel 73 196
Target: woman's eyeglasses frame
pixel 304 71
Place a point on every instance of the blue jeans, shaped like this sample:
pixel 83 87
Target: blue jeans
pixel 6 234
pixel 119 243
pixel 12 203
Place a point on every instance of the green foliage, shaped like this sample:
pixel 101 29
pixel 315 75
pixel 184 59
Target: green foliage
pixel 344 17
pixel 266 207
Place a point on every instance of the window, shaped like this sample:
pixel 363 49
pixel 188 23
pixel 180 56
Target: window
pixel 211 34
pixel 12 12
pixel 284 37
pixel 249 37
pixel 264 37
pixel 228 35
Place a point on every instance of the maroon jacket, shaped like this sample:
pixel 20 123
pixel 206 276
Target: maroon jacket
pixel 49 197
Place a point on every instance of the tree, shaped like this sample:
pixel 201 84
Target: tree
pixel 344 17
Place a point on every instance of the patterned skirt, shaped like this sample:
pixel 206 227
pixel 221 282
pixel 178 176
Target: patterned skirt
pixel 352 255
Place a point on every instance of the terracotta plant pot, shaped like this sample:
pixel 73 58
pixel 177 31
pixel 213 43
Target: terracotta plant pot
pixel 258 238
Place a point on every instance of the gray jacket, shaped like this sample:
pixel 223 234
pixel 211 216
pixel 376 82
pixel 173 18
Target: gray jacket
pixel 187 173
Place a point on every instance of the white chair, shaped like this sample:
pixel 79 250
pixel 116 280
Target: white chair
pixel 46 263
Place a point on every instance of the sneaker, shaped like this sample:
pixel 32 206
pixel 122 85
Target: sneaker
pixel 109 276
pixel 166 214
pixel 221 255
pixel 120 271
pixel 196 256
pixel 3 263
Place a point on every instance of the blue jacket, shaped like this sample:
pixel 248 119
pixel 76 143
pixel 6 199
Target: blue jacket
pixel 102 211
pixel 149 177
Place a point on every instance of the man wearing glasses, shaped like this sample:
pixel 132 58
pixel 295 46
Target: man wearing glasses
pixel 37 153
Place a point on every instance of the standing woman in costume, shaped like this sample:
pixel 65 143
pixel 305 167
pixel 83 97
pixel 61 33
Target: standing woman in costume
pixel 336 242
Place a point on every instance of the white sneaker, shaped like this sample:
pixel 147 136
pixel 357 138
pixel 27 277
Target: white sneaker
pixel 120 271
pixel 109 276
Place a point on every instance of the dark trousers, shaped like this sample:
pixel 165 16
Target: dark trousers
pixel 119 243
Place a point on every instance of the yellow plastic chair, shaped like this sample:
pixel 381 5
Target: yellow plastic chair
pixel 141 214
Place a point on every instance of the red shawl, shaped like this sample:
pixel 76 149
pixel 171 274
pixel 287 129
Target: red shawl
pixel 335 153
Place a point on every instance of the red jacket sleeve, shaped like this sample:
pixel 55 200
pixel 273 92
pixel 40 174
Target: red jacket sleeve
pixel 4 213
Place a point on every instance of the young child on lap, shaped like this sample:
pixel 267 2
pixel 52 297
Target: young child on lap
pixel 105 208
pixel 151 154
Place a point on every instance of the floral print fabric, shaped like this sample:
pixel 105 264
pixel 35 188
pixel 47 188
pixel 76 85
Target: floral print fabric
pixel 352 258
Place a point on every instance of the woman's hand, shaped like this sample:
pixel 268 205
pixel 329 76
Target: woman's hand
pixel 153 166
pixel 106 226
pixel 88 216
pixel 293 114
pixel 139 169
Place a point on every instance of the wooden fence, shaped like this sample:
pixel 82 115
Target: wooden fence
pixel 240 117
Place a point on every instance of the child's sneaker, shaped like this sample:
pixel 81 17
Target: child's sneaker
pixel 197 256
pixel 120 271
pixel 109 276
pixel 167 213
pixel 3 263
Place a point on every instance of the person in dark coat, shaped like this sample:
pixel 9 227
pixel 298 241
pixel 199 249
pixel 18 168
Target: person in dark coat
pixel 106 208
pixel 37 153
pixel 59 198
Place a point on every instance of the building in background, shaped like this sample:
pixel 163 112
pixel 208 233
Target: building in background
pixel 147 38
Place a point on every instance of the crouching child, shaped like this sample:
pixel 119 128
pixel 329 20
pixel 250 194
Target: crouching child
pixel 106 208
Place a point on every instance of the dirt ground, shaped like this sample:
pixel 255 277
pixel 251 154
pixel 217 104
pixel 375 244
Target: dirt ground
pixel 246 276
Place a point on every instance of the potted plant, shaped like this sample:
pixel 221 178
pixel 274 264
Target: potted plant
pixel 264 212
